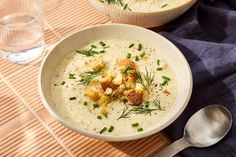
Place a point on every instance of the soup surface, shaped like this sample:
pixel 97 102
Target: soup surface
pixel 114 87
pixel 143 5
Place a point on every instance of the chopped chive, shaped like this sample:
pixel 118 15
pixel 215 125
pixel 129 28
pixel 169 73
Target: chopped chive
pixel 63 82
pixel 85 103
pixel 166 78
pixel 55 84
pixel 159 69
pixel 126 69
pixel 103 51
pixel 99 117
pixel 95 105
pixel 140 129
pixel 146 103
pixel 165 82
pixel 111 128
pixel 103 130
pixel 164 5
pixel 140 46
pixel 158 62
pixel 93 46
pixel 135 125
pixel 142 54
pixel 72 98
pixel 102 43
pixel 128 55
pixel 72 76
pixel 136 58
pixel 131 45
pixel 125 7
pixel 106 47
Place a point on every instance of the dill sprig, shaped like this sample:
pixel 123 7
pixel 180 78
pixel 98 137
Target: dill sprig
pixel 146 81
pixel 117 2
pixel 142 109
pixel 87 53
pixel 125 113
pixel 157 103
pixel 88 76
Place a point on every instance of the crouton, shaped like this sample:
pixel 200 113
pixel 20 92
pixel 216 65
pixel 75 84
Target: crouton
pixel 126 63
pixel 136 98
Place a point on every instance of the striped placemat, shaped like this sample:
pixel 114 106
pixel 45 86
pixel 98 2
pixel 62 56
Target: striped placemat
pixel 26 129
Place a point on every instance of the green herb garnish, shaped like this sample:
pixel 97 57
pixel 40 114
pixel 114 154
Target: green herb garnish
pixel 99 117
pixel 87 53
pixel 63 82
pixel 159 69
pixel 157 103
pixel 158 62
pixel 146 81
pixel 102 43
pixel 142 54
pixel 128 55
pixel 126 7
pixel 140 129
pixel 140 46
pixel 72 98
pixel 95 105
pixel 103 130
pixel 136 58
pixel 117 2
pixel 103 51
pixel 146 103
pixel 125 113
pixel 131 45
pixel 111 128
pixel 85 103
pixel 142 109
pixel 93 46
pixel 72 76
pixel 165 80
pixel 88 76
pixel 164 5
pixel 135 125
pixel 126 69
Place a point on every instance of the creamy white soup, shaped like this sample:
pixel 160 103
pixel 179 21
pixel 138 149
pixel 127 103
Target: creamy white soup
pixel 143 5
pixel 114 87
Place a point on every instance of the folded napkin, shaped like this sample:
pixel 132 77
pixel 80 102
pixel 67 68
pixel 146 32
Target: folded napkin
pixel 206 35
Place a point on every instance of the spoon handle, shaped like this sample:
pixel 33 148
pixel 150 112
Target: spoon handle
pixel 173 148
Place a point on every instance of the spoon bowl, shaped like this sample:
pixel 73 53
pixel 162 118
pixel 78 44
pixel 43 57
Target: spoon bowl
pixel 208 126
pixel 205 128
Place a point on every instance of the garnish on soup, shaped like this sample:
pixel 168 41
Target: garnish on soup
pixel 114 86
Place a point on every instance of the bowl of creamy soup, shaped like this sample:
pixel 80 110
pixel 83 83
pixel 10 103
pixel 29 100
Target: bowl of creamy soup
pixel 145 13
pixel 115 82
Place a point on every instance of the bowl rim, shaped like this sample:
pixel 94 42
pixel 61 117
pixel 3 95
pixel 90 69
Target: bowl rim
pixel 146 13
pixel 109 137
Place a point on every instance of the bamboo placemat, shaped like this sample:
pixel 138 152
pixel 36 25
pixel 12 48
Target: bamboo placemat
pixel 26 129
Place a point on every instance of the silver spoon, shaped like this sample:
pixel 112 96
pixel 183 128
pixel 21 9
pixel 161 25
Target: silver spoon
pixel 205 128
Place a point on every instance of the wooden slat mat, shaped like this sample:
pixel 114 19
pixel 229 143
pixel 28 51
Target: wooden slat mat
pixel 26 129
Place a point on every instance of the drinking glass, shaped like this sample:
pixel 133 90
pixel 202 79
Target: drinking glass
pixel 21 30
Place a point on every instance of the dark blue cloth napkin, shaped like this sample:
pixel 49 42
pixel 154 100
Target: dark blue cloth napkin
pixel 206 35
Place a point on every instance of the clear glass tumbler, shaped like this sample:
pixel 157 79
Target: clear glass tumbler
pixel 21 30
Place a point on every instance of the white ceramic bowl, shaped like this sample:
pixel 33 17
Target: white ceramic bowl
pixel 143 19
pixel 83 37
